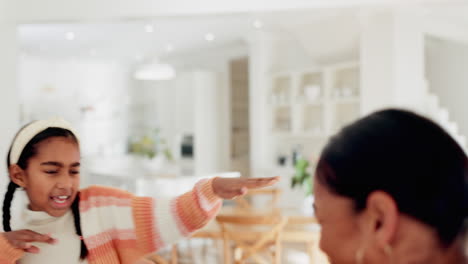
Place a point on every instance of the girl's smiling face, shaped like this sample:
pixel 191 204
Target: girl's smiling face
pixel 52 176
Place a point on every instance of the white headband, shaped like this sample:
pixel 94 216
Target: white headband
pixel 31 130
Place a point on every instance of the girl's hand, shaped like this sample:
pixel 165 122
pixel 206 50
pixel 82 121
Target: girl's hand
pixel 21 239
pixel 230 188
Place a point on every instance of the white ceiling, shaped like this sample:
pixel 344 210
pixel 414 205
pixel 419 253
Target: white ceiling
pixel 129 40
pixel 91 10
pixel 323 33
pixel 454 13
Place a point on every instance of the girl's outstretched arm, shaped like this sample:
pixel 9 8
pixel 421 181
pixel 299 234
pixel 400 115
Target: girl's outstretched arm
pixel 134 226
pixel 185 214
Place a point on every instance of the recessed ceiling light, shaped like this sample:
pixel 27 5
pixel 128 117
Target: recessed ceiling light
pixel 209 37
pixel 169 48
pixel 149 28
pixel 257 24
pixel 70 35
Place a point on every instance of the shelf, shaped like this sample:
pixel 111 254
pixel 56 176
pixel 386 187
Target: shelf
pixel 312 118
pixel 282 90
pixel 311 86
pixel 300 104
pixel 345 114
pixel 311 134
pixel 345 65
pixel 304 135
pixel 279 105
pixel 282 119
pixel 353 99
pixel 306 106
pixel 304 102
pixel 346 80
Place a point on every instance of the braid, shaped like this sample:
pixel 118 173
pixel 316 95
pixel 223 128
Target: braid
pixel 76 217
pixel 7 204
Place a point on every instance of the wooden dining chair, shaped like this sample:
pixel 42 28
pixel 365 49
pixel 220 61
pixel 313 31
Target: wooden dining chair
pixel 152 259
pixel 245 202
pixel 251 236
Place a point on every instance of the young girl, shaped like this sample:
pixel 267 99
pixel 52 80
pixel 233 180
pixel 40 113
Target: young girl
pixel 63 224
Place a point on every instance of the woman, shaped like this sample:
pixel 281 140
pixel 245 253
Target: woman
pixel 392 188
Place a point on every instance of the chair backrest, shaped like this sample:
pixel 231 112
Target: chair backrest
pixel 249 241
pixel 245 202
pixel 152 259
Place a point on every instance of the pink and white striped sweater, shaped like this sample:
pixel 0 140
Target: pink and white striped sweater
pixel 119 227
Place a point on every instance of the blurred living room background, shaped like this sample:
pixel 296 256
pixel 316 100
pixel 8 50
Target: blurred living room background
pixel 164 93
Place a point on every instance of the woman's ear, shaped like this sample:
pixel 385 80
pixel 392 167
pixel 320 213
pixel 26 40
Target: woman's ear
pixel 17 175
pixel 384 216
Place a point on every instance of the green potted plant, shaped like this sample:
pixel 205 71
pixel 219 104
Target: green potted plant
pixel 302 176
pixel 150 145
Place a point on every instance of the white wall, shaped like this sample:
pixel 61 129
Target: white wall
pixel 260 60
pixel 209 151
pixel 377 69
pixel 392 61
pixel 9 107
pixel 183 103
pixel 91 94
pixel 409 58
pixel 446 72
pixel 290 53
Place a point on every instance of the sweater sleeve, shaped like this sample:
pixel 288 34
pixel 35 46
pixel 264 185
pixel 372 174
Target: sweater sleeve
pixel 160 222
pixel 8 254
